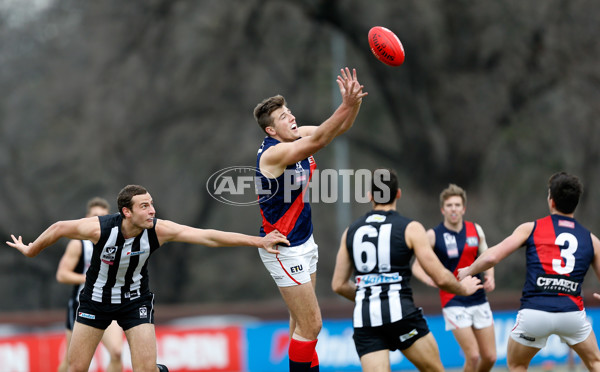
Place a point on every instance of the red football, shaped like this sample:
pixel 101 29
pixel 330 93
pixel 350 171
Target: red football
pixel 386 46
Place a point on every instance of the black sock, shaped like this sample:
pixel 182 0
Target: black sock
pixel 162 368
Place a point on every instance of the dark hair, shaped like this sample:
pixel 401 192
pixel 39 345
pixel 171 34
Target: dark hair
pixel 565 190
pixel 97 202
pixel 126 194
pixel 262 111
pixel 384 186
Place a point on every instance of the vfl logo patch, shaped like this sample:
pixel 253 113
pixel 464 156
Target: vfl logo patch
pixel 451 247
pixel 87 316
pixel 143 312
pixel 108 255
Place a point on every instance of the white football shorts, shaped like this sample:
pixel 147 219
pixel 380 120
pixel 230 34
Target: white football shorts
pixel 533 327
pixel 294 265
pixel 478 316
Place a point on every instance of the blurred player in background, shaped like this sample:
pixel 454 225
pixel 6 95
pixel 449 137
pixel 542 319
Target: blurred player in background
pixel 457 243
pixel 71 270
pixel 117 283
pixel 377 248
pixel 285 165
pixel 559 252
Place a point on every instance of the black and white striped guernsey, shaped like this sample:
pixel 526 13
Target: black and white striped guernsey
pixel 382 268
pixel 118 271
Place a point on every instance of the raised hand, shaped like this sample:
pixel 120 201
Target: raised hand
pixel 19 245
pixel 350 88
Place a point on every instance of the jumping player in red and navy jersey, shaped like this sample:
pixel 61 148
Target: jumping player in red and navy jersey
pixel 117 284
pixel 457 243
pixel 559 252
pixel 285 165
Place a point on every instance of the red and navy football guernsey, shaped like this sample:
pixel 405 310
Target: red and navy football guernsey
pixel 282 199
pixel 559 252
pixel 457 250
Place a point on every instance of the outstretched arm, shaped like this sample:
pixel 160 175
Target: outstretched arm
pixel 82 229
pixel 341 283
pixel 500 251
pixel 315 138
pixel 168 231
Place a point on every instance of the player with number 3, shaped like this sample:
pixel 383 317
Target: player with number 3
pixel 559 252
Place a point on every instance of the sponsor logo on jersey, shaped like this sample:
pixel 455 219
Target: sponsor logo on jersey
pixel 132 294
pixel 137 253
pixel 408 335
pixel 375 218
pixel 368 280
pixel 556 284
pixel 567 224
pixel 472 241
pixel 86 315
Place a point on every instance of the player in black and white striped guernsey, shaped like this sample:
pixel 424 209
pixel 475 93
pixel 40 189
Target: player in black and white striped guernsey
pixel 71 270
pixel 116 285
pixel 378 249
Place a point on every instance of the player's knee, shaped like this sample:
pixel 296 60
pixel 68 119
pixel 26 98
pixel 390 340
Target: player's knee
pixel 488 358
pixel 472 359
pixel 312 325
pixel 592 365
pixel 115 353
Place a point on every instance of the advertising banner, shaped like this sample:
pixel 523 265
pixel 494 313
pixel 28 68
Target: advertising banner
pixel 260 347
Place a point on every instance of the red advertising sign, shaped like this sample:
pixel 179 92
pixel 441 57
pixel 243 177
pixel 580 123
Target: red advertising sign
pixel 180 349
